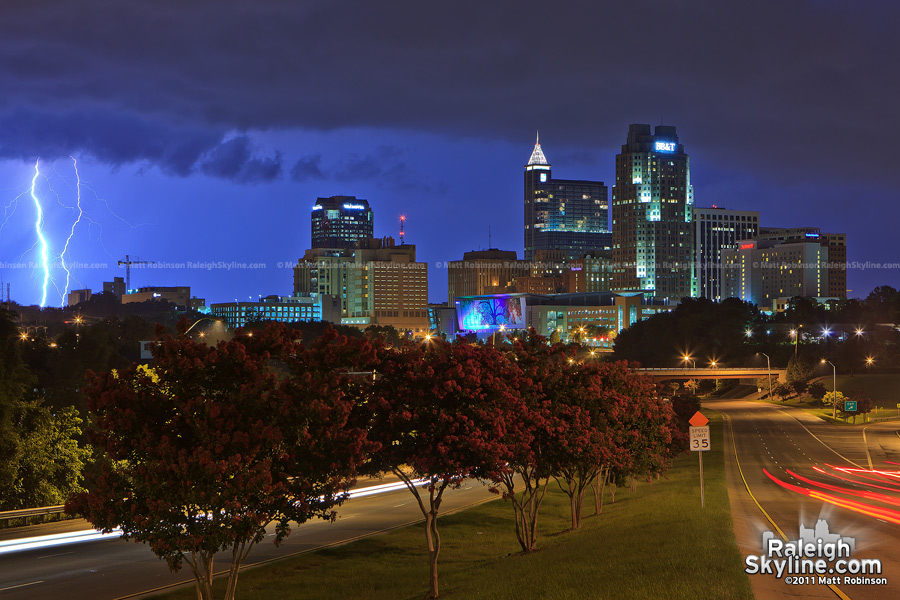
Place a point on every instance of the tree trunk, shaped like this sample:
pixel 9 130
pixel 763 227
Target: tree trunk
pixel 433 540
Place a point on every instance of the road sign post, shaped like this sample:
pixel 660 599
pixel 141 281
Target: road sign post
pixel 699 442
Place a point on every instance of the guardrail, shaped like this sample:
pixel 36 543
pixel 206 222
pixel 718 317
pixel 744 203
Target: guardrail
pixel 32 512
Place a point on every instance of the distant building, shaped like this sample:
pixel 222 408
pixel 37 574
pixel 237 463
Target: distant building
pixel 378 283
pixel 652 212
pixel 570 215
pixel 761 271
pixel 178 295
pixel 593 318
pixel 116 287
pixel 837 252
pixel 717 228
pixel 282 309
pixel 77 297
pixel 485 272
pixel 590 273
pixel 341 222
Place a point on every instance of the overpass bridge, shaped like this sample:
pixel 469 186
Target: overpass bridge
pixel 712 373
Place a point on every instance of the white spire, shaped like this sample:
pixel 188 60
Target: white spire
pixel 537 155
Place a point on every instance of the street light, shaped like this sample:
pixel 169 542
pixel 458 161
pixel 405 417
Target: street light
pixel 833 389
pixel 686 358
pixel 796 333
pixel 769 369
pixel 869 361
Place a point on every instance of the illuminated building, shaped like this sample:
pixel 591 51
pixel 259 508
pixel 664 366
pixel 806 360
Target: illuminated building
pixel 590 273
pixel 378 283
pixel 717 228
pixel 652 213
pixel 594 318
pixel 282 309
pixel 484 272
pixel 762 271
pixel 341 222
pixel 563 214
pixel 837 252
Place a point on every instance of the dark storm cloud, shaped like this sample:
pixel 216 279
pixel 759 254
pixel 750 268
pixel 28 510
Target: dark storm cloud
pixel 234 160
pixel 308 167
pixel 796 88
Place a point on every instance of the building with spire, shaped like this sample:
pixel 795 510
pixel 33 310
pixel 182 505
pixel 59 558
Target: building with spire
pixel 653 211
pixel 563 214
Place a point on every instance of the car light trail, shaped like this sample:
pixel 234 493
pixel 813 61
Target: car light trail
pixel 92 535
pixel 887 514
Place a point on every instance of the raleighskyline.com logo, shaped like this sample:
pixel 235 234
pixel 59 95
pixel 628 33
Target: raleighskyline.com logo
pixel 818 557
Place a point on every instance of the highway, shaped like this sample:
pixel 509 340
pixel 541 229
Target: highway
pixel 802 451
pixel 111 569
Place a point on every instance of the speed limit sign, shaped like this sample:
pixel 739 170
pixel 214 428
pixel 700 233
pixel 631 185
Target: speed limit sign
pixel 700 438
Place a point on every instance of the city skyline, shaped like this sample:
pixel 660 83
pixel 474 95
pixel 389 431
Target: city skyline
pixel 199 145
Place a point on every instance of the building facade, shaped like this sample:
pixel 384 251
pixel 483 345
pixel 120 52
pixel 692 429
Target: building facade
pixel 652 212
pixel 714 230
pixel 762 271
pixel 283 309
pixel 341 222
pixel 378 283
pixel 837 252
pixel 485 272
pixel 593 318
pixel 563 214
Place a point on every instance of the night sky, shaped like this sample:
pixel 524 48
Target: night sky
pixel 204 131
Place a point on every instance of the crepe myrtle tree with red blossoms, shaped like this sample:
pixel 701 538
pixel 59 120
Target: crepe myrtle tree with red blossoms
pixel 438 413
pixel 536 431
pixel 207 447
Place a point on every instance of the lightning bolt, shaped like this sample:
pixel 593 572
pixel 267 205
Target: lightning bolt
pixel 62 257
pixel 38 227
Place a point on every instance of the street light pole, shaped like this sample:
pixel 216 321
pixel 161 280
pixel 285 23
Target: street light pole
pixel 769 369
pixel 833 389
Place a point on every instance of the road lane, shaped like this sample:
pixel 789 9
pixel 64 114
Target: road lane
pixel 767 437
pixel 110 569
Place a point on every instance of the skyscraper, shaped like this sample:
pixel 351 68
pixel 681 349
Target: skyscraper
pixel 717 229
pixel 341 222
pixel 563 214
pixel 652 210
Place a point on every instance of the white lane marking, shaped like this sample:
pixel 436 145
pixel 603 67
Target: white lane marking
pixel 52 555
pixel 21 586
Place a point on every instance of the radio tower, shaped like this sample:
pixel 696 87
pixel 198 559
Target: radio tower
pixel 402 219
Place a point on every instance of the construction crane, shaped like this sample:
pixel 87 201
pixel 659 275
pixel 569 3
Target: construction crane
pixel 128 262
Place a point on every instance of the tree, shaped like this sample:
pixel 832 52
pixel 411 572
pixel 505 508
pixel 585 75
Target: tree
pixel 439 415
pixel 783 391
pixel 799 386
pixel 799 369
pixel 592 441
pixel 52 460
pixel 816 389
pixel 203 451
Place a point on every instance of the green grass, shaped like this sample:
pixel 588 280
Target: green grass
pixel 655 543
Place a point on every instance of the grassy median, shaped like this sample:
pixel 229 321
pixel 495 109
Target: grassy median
pixel 654 543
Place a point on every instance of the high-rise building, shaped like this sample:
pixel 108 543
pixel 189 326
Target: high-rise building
pixel 563 214
pixel 837 252
pixel 378 283
pixel 652 211
pixel 717 228
pixel 763 271
pixel 341 222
